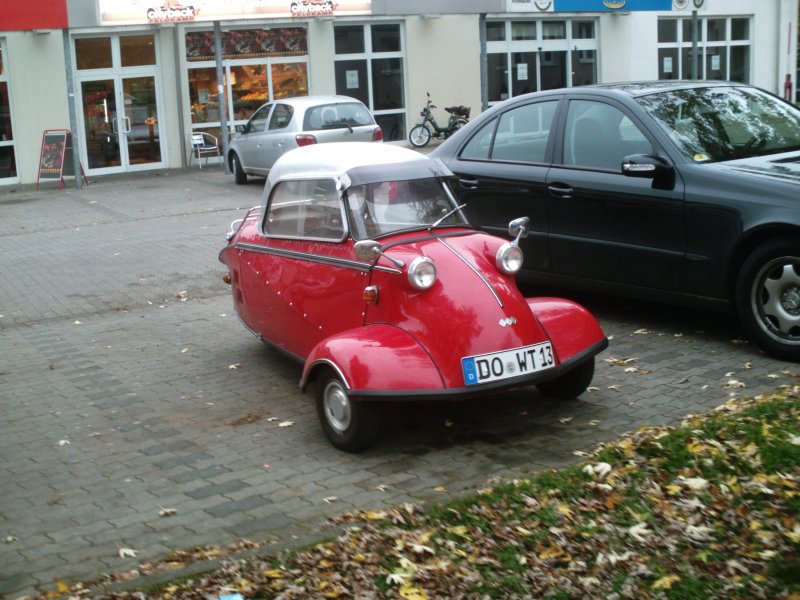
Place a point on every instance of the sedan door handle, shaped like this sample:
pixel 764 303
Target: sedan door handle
pixel 469 184
pixel 562 191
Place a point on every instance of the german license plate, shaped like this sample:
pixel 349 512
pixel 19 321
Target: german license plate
pixel 507 363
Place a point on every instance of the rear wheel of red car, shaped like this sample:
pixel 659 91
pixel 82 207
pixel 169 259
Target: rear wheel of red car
pixel 768 297
pixel 571 384
pixel 238 173
pixel 350 426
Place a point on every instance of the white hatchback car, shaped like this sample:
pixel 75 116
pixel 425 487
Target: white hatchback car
pixel 282 125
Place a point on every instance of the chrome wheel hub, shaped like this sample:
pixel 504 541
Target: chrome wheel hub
pixel 337 407
pixel 777 298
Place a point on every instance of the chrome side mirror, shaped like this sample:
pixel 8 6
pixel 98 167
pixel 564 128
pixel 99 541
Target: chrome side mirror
pixel 518 229
pixel 371 250
pixel 368 250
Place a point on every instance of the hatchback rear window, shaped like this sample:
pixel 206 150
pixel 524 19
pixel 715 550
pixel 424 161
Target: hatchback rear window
pixel 336 116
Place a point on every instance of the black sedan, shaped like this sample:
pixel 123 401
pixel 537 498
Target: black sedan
pixel 670 191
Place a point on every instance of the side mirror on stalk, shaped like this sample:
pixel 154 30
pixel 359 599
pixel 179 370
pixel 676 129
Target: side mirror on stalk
pixel 371 250
pixel 518 228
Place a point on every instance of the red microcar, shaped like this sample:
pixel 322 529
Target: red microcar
pixel 360 264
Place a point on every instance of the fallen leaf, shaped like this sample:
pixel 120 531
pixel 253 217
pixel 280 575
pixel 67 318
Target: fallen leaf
pixel 234 366
pixel 63 442
pixel 330 499
pixel 565 420
pixel 665 583
pixel 127 553
pixel 9 539
pixel 639 532
pixel 285 423
pixel 167 512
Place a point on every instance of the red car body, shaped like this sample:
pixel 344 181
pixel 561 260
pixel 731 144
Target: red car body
pixel 362 329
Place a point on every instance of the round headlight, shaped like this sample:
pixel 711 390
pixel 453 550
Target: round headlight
pixel 422 273
pixel 509 258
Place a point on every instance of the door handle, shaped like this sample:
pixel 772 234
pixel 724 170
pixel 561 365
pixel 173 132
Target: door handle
pixel 469 184
pixel 560 190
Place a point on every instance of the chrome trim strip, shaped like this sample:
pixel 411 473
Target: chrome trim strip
pixel 327 260
pixel 475 270
pixel 324 361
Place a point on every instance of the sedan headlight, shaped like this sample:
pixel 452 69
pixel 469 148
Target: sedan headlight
pixel 509 258
pixel 422 273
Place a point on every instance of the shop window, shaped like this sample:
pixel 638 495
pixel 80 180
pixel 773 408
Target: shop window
pixel 723 46
pixel 385 38
pixel 495 31
pixel 565 54
pixel 554 30
pixel 523 30
pixel 281 72
pixel 349 39
pixel 8 163
pixel 667 31
pixel 369 66
pixel 137 50
pixel 583 30
pixel 93 53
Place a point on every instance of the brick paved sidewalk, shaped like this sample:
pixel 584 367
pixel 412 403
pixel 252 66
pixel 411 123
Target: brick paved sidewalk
pixel 127 386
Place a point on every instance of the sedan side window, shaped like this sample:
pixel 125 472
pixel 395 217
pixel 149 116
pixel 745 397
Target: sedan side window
pixel 599 136
pixel 520 135
pixel 523 132
pixel 281 117
pixel 258 122
pixel 305 209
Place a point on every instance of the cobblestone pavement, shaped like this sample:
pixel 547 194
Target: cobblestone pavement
pixel 127 386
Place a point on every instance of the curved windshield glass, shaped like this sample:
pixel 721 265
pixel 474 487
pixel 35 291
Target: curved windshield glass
pixel 378 209
pixel 725 123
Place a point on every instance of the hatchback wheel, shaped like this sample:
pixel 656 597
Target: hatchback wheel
pixel 768 298
pixel 238 173
pixel 350 426
pixel 571 384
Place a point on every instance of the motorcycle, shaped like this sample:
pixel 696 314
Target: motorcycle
pixel 421 133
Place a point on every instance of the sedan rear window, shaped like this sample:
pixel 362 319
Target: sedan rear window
pixel 336 116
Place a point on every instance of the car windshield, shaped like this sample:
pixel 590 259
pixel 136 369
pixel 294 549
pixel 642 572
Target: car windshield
pixel 377 209
pixel 725 123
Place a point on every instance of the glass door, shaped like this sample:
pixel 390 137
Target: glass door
pixel 119 112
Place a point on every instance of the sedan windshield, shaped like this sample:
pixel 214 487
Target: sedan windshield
pixel 378 209
pixel 725 123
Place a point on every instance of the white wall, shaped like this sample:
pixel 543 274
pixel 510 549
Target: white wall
pixel 443 58
pixel 38 94
pixel 321 75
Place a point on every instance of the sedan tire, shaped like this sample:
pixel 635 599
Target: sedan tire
pixel 350 426
pixel 238 173
pixel 768 298
pixel 571 384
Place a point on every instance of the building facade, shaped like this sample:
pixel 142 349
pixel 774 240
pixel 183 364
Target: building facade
pixel 133 79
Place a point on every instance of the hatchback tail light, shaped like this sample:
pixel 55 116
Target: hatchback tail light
pixel 305 139
pixel 377 135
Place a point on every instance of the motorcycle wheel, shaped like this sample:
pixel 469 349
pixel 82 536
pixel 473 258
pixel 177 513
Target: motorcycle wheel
pixel 419 136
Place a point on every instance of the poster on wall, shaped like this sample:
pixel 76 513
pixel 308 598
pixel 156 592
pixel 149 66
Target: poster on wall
pixel 248 43
pixel 135 12
pixel 56 159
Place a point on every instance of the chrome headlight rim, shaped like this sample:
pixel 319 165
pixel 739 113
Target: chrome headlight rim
pixel 509 258
pixel 422 273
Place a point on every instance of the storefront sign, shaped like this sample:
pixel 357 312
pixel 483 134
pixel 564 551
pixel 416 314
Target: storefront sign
pixel 130 12
pixel 19 15
pixel 539 6
pixel 55 159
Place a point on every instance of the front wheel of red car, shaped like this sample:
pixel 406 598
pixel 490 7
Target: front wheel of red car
pixel 768 297
pixel 571 384
pixel 350 426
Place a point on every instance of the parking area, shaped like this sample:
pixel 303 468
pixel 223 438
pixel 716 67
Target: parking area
pixel 139 414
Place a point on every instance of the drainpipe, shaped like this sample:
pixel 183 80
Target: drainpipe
pixel 223 113
pixel 484 63
pixel 73 120
pixel 695 35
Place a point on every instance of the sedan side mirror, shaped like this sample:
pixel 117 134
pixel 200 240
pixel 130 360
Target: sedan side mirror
pixel 518 228
pixel 239 129
pixel 646 166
